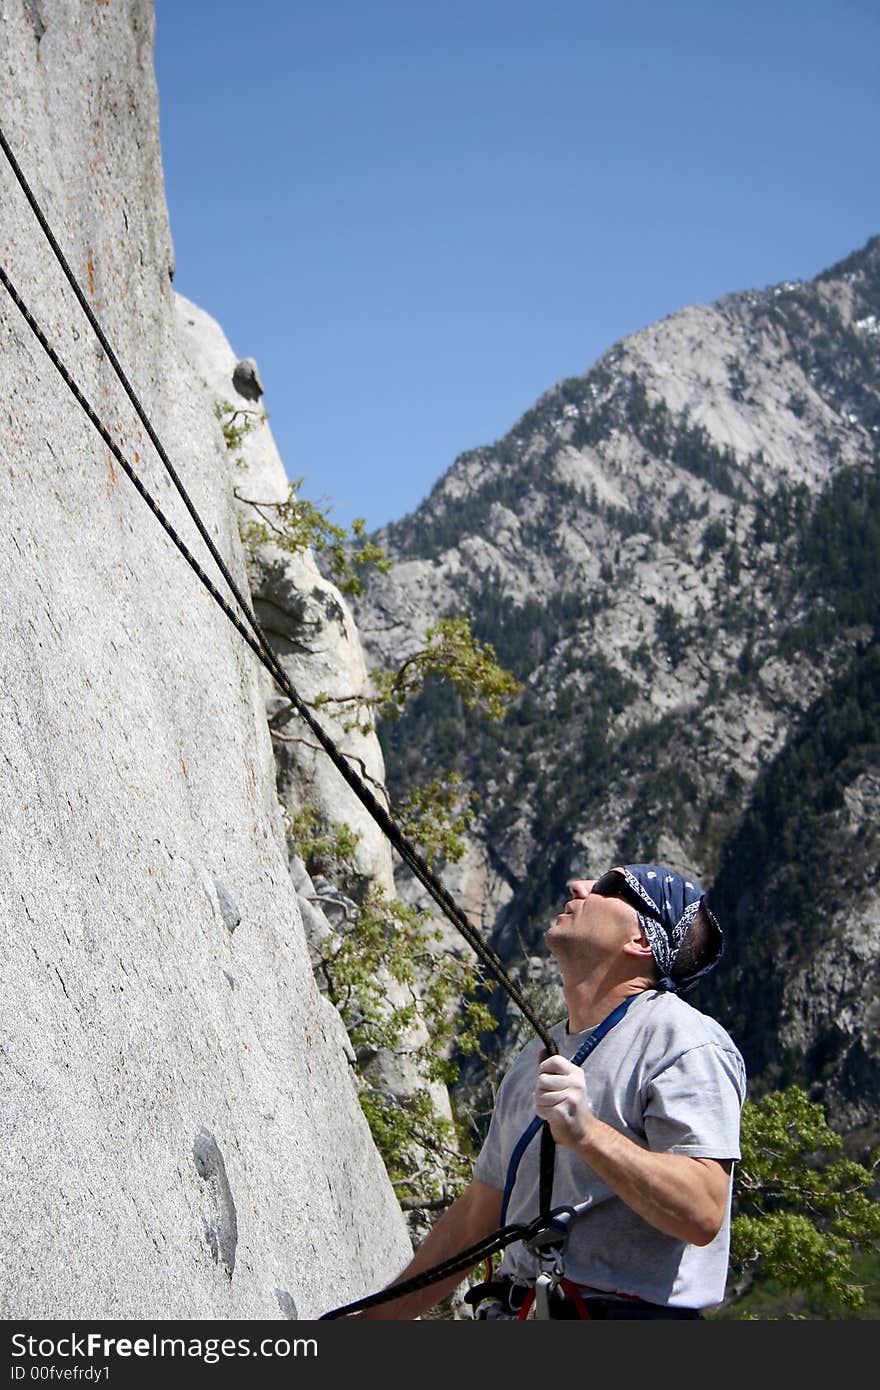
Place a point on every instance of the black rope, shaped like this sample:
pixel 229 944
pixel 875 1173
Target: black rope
pixel 259 644
pixel 456 1264
pixel 130 392
pixel 547 1164
pixel 405 849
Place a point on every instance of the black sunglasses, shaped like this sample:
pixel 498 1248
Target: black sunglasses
pixel 614 885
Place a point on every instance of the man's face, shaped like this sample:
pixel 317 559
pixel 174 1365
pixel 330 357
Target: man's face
pixel 592 924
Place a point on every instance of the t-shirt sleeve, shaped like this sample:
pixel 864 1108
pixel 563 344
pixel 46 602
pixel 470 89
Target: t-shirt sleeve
pixel 694 1105
pixel 490 1166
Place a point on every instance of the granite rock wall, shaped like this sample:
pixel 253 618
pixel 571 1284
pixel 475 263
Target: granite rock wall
pixel 180 1135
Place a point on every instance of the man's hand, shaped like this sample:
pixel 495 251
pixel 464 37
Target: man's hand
pixel 561 1100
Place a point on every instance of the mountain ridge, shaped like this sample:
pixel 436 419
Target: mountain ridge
pixel 657 548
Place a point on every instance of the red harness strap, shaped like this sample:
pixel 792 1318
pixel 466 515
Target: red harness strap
pixel 576 1297
pixel 568 1288
pixel 527 1303
pixel 574 1293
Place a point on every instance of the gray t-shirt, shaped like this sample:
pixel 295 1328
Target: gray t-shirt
pixel 672 1080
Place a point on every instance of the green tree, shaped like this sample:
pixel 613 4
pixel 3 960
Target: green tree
pixel 802 1211
pixel 450 652
pixel 382 940
pixel 293 523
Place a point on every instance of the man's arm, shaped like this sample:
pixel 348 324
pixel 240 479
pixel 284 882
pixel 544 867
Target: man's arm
pixel 681 1196
pixel 473 1216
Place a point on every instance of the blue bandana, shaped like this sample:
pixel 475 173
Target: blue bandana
pixel 676 901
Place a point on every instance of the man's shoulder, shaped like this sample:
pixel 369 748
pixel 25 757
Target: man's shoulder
pixel 684 1023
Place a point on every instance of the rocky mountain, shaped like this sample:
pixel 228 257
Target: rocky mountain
pixel 180 1128
pixel 676 553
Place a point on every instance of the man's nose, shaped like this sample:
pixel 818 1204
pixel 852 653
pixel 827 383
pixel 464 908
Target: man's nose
pixel 581 887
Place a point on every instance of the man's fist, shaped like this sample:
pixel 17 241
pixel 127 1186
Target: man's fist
pixel 561 1100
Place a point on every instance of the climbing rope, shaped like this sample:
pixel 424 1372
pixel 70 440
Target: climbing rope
pixel 259 645
pixel 546 1230
pixel 256 639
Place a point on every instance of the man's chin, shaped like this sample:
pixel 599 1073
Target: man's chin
pixel 554 934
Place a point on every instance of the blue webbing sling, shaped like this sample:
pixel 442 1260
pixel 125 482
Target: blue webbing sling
pixel 577 1060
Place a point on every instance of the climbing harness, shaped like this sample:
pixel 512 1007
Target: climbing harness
pixel 565 1301
pixel 547 1223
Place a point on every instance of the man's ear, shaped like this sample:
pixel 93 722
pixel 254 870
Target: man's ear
pixel 638 946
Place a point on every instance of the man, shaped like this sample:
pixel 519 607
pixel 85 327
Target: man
pixel 646 1129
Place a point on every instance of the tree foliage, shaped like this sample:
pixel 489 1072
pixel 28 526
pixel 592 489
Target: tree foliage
pixel 450 659
pixel 436 816
pixel 385 940
pixel 802 1210
pixel 452 653
pixel 295 524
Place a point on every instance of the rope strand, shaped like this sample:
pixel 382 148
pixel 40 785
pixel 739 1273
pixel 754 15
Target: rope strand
pixel 456 1264
pixel 130 392
pixel 259 645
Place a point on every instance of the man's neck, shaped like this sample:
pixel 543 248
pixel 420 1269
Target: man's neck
pixel 587 1006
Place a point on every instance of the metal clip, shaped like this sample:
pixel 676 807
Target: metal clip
pixel 553 1235
pixel 544 1286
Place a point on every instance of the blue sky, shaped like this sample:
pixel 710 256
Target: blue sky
pixel 418 216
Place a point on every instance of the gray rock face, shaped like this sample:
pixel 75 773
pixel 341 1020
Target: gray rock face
pixel 179 1133
pixel 311 628
pixel 302 613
